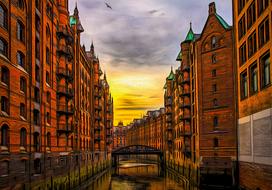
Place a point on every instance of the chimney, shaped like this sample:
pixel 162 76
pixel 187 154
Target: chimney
pixel 212 8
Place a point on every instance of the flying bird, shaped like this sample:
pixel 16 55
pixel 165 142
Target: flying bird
pixel 108 6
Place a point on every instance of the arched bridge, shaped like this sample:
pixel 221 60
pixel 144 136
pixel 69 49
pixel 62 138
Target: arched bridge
pixel 136 150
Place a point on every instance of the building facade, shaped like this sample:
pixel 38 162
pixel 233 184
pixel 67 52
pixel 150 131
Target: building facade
pixel 253 32
pixel 48 97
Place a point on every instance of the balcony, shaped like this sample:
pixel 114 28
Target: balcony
pixel 186 68
pixel 97 128
pixel 65 109
pixel 185 105
pixel 97 118
pixel 66 91
pixel 63 33
pixel 185 81
pixel 185 93
pixel 65 128
pixel 97 138
pixel 65 51
pixel 63 72
pixel 186 117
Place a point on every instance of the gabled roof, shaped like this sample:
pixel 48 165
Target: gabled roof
pixel 171 76
pixel 222 21
pixel 179 58
pixel 190 35
pixel 73 21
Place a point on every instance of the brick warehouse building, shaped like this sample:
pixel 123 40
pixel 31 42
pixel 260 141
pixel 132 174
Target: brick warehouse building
pixel 199 136
pixel 46 120
pixel 253 33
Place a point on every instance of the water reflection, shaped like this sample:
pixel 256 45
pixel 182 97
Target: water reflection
pixel 136 176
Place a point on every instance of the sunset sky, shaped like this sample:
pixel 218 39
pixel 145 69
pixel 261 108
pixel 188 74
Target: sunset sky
pixel 137 42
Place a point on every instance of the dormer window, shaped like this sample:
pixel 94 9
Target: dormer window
pixel 214 42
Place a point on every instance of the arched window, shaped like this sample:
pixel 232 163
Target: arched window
pixel 36 142
pixel 22 110
pixel 214 42
pixel 23 137
pixel 215 102
pixel 215 121
pixel 3 47
pixel 4 104
pixel 5 135
pixel 48 140
pixel 47 56
pixel 21 59
pixel 37 166
pixel 23 84
pixel 215 142
pixel 20 31
pixel 5 75
pixel 3 17
pixel 20 4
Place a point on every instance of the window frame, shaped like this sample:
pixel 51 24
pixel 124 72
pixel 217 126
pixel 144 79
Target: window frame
pixel 262 71
pixel 4 24
pixel 243 90
pixel 253 70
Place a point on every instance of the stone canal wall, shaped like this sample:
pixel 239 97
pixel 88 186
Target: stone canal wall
pixel 71 179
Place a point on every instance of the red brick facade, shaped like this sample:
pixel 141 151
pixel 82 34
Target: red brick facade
pixel 48 97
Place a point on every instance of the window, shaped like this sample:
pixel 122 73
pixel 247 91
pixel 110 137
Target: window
pixel 265 70
pixel 3 17
pixel 22 84
pixel 214 72
pixel 213 58
pixel 252 47
pixel 253 78
pixel 264 32
pixel 37 166
pixel 47 77
pixel 242 54
pixel 215 142
pixel 242 27
pixel 3 47
pixel 4 104
pixel 21 59
pixel 20 31
pixel 243 85
pixel 4 165
pixel 48 119
pixel 214 42
pixel 48 97
pixel 22 110
pixel 215 102
pixel 48 140
pixel 36 117
pixel 47 56
pixel 37 95
pixel 251 15
pixel 38 5
pixel 5 135
pixel 49 11
pixel 262 5
pixel 215 121
pixel 23 137
pixel 241 4
pixel 37 73
pixel 5 75
pixel 37 51
pixel 214 87
pixel 36 142
pixel 20 4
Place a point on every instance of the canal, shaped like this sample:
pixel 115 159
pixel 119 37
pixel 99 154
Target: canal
pixel 137 176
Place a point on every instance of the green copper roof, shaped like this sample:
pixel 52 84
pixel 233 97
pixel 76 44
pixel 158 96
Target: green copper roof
pixel 222 21
pixel 179 58
pixel 190 36
pixel 72 21
pixel 171 76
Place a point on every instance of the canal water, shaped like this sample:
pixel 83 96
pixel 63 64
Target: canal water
pixel 138 176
